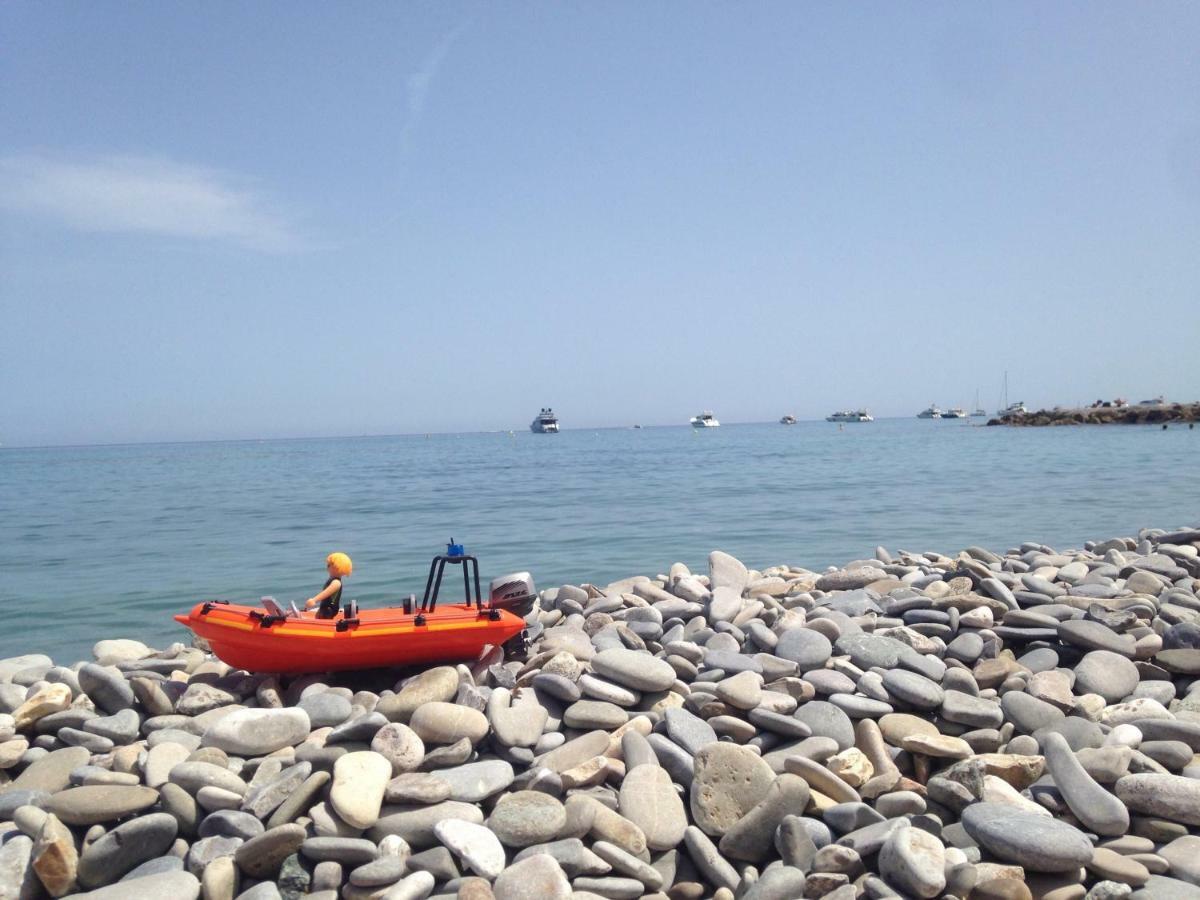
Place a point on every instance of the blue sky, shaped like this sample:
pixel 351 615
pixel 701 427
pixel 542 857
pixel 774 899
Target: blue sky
pixel 252 220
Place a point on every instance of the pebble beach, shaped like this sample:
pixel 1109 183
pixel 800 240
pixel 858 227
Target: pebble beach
pixel 966 724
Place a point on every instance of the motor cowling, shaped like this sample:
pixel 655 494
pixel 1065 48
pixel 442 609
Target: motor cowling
pixel 514 593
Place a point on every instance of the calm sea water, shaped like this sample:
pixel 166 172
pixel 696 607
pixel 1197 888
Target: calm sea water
pixel 110 541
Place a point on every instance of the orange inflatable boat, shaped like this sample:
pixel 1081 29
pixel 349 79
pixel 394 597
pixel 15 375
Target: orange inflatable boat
pixel 269 639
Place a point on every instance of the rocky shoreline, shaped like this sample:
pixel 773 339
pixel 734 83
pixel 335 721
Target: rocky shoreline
pixel 915 725
pixel 1106 415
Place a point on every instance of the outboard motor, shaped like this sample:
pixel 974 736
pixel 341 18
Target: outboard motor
pixel 514 593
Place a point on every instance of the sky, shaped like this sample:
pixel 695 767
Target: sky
pixel 228 220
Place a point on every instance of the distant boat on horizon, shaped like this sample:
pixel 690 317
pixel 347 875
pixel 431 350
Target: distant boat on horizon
pixel 848 415
pixel 789 419
pixel 930 412
pixel 979 410
pixel 705 420
pixel 545 422
pixel 955 412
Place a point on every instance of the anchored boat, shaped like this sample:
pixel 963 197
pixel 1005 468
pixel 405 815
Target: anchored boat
pixel 271 639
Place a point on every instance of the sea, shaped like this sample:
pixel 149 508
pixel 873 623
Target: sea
pixel 111 541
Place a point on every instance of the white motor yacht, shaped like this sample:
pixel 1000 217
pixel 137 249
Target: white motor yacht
pixel 850 415
pixel 705 420
pixel 788 420
pixel 545 422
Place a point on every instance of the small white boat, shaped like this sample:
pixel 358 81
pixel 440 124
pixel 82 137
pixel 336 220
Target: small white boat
pixel 850 415
pixel 931 412
pixel 1013 409
pixel 545 422
pixel 705 420
pixel 788 420
pixel 955 412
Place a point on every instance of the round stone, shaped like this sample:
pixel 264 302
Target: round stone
pixel 728 781
pixel 807 648
pixel 827 720
pixel 359 780
pixel 524 818
pixel 400 746
pixel 1111 675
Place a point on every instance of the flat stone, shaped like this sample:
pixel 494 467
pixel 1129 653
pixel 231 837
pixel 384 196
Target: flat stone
pixel 912 689
pixel 446 723
pixel 262 855
pixel 359 781
pixel 267 795
pixel 257 732
pixel 326 709
pixel 161 886
pixel 436 685
pixel 415 823
pixel 1095 636
pixel 689 731
pixel 107 687
pixel 751 837
pixel 53 858
pixel 126 847
pixel 1039 844
pixel 649 800
pixel 100 803
pixel 300 800
pixel 416 787
pixel 914 861
pixel 477 781
pixel 1170 797
pixel 348 851
pixel 634 669
pixel 381 872
pixel 194 776
pixel 231 823
pixel 538 877
pixel 474 844
pixel 524 818
pixel 827 720
pixel 727 571
pixel 200 698
pixel 728 782
pixel 50 773
pixel 589 714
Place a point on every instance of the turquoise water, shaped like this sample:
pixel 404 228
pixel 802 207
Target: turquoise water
pixel 111 541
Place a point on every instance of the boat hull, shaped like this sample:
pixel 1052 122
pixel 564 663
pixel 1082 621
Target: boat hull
pixel 381 638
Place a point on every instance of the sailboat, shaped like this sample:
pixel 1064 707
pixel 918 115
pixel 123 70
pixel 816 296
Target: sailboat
pixel 1011 409
pixel 979 410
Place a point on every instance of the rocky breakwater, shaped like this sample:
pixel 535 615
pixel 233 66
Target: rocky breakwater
pixel 912 725
pixel 1105 415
